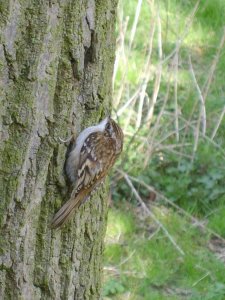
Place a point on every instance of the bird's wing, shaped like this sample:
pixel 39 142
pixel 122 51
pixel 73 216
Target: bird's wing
pixel 96 158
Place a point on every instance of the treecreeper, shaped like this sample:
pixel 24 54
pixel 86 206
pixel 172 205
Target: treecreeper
pixel 93 154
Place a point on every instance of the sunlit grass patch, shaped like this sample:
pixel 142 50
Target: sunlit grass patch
pixel 120 223
pixel 140 264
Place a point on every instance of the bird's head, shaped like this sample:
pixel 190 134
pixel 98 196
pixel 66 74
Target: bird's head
pixel 113 130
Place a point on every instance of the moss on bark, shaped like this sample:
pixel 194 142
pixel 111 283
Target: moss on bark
pixel 56 62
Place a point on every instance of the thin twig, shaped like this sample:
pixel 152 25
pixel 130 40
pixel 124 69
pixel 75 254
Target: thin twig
pixel 168 136
pixel 154 130
pixel 125 63
pixel 206 137
pixel 203 277
pixel 134 27
pixel 120 52
pixel 146 209
pixel 176 57
pixel 158 73
pixel 218 123
pixel 127 258
pixel 146 73
pixel 185 33
pixel 181 210
pixel 128 103
pixel 201 98
pixel 213 66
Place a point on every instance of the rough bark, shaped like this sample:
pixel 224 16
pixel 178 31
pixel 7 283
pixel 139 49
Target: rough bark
pixel 56 61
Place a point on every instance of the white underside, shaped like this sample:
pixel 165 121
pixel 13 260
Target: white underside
pixel 74 156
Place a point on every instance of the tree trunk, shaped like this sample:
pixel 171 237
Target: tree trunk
pixel 56 62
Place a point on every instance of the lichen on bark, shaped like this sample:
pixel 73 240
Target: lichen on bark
pixel 56 62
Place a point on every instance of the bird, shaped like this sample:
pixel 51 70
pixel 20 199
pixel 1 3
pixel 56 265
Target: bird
pixel 91 157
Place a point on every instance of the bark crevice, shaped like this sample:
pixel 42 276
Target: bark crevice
pixel 56 62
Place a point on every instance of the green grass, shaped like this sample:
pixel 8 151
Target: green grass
pixel 216 219
pixel 143 262
pixel 195 183
pixel 201 42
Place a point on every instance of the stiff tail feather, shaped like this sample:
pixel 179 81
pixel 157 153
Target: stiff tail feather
pixel 66 211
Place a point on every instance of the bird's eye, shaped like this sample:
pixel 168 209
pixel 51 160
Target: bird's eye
pixel 107 127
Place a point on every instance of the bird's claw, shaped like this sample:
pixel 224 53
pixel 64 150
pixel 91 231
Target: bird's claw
pixel 65 141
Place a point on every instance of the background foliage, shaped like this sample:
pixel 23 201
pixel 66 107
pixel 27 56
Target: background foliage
pixel 166 231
